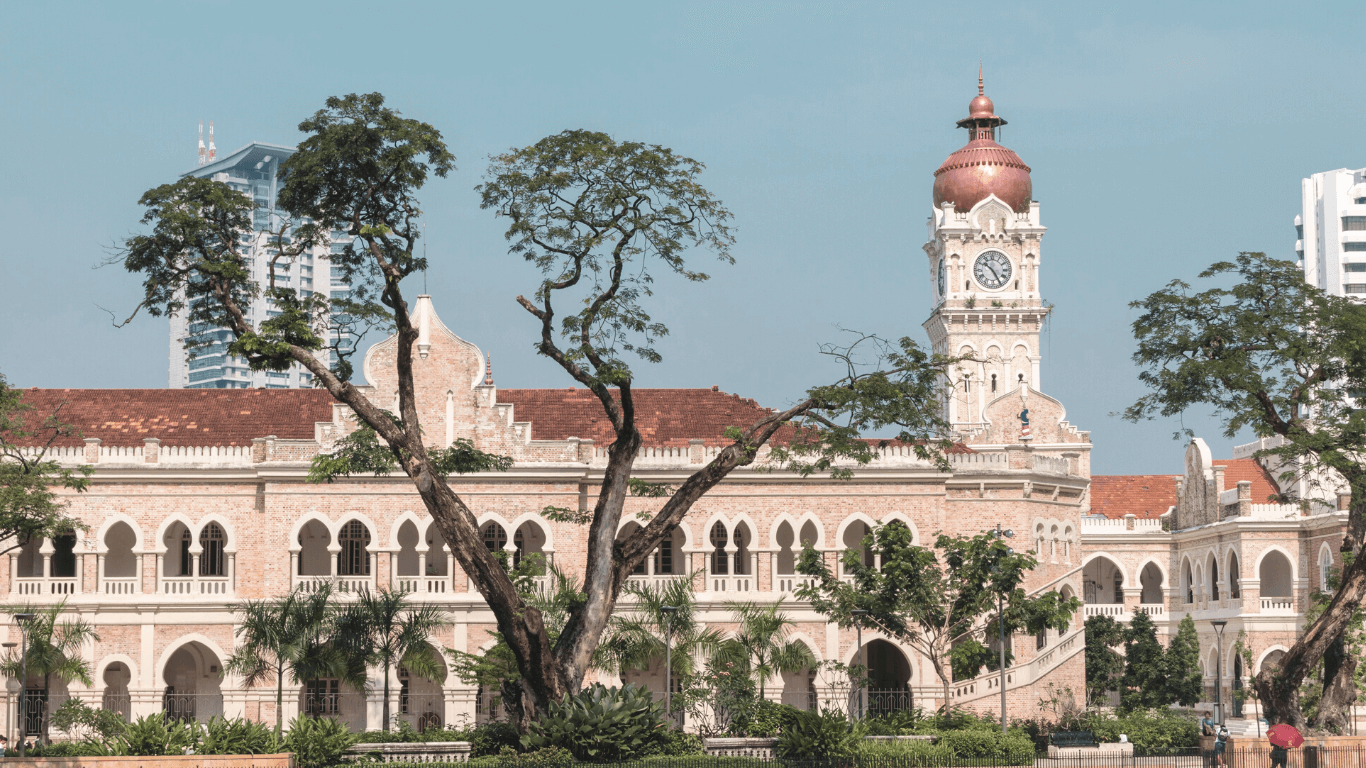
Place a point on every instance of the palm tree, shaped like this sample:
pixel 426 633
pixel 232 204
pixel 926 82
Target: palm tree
pixel 763 639
pixel 54 650
pixel 288 635
pixel 635 640
pixel 381 628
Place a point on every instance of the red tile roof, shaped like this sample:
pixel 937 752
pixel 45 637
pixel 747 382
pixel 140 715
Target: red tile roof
pixel 1263 484
pixel 1141 495
pixel 1152 495
pixel 123 417
pixel 665 417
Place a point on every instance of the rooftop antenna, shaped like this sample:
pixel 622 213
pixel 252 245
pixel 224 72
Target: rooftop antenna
pixel 213 150
pixel 981 91
pixel 201 142
pixel 424 255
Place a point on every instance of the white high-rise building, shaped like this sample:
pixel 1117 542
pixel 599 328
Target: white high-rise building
pixel 1331 228
pixel 252 170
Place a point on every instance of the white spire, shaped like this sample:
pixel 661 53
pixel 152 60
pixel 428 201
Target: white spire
pixel 423 314
pixel 213 150
pixel 201 142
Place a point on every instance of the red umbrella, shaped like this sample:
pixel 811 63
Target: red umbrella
pixel 1284 735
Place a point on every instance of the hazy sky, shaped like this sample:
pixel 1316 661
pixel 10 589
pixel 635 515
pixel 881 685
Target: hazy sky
pixel 1162 137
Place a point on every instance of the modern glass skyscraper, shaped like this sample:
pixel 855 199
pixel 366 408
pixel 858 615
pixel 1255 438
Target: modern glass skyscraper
pixel 254 171
pixel 1330 231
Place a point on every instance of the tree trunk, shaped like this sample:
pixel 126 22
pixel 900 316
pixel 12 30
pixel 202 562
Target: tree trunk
pixel 279 699
pixel 1279 686
pixel 385 709
pixel 1339 688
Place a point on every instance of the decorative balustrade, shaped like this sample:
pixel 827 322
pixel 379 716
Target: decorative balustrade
pixel 1104 609
pixel 46 586
pixel 1283 605
pixel 340 584
pixel 739 582
pixel 130 585
pixel 789 583
pixel 1153 609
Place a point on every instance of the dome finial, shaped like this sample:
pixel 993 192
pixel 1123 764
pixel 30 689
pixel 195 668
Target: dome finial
pixel 981 89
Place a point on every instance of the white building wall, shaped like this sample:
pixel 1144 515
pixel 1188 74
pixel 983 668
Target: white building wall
pixel 1322 237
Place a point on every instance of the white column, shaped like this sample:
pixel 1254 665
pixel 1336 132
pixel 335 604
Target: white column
pixel 293 570
pixel 14 571
pixel 80 572
pixel 421 570
pixel 333 552
pixel 99 572
pixel 231 570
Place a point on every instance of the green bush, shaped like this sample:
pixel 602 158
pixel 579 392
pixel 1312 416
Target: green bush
pixel 1152 731
pixel 908 754
pixel 819 736
pixel 1013 748
pixel 676 743
pixel 763 719
pixel 489 738
pixel 152 736
pixel 318 742
pixel 237 737
pixel 87 748
pixel 601 724
pixel 903 723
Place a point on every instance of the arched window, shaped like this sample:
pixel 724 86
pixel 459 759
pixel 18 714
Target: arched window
pixel 1038 536
pixel 64 556
pixel 495 538
pixel 1189 578
pixel 1235 591
pixel 211 559
pixel 1214 579
pixel 354 558
pixel 1325 568
pixel 185 540
pixel 719 562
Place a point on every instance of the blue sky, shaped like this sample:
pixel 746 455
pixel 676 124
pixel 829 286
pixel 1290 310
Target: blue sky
pixel 1163 137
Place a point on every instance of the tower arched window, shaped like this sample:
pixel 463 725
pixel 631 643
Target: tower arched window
pixel 993 383
pixel 354 558
pixel 719 561
pixel 212 539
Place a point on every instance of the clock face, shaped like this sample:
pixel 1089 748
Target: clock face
pixel 943 278
pixel 992 269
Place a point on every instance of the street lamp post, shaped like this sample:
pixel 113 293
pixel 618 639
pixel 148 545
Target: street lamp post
pixel 22 619
pixel 668 611
pixel 12 687
pixel 863 661
pixel 1219 625
pixel 1001 625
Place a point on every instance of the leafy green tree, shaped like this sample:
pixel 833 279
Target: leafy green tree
pixel 1144 684
pixel 1276 356
pixel 762 640
pixel 600 219
pixel 54 650
pixel 288 636
pixel 29 508
pixel 1185 680
pixel 1104 665
pixel 382 629
pixel 940 600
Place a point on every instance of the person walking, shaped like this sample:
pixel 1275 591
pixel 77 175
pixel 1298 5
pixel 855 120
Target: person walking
pixel 1220 742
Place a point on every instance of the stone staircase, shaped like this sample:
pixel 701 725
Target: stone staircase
pixel 1244 728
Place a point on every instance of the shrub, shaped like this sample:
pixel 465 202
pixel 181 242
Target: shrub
pixel 237 737
pixel 1013 748
pixel 549 757
pixel 152 736
pixel 819 736
pixel 601 724
pixel 87 748
pixel 1152 731
pixel 489 738
pixel 678 744
pixel 764 718
pixel 902 723
pixel 85 722
pixel 909 754
pixel 318 742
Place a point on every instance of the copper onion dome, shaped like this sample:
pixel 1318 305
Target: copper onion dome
pixel 983 167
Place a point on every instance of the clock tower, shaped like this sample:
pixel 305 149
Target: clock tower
pixel 983 258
